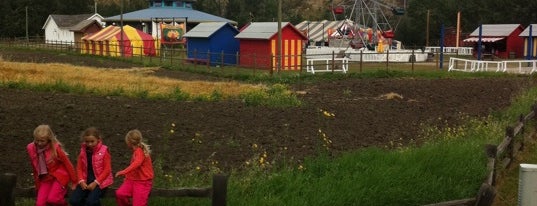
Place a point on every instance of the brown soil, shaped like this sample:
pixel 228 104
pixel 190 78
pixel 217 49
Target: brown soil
pixel 368 112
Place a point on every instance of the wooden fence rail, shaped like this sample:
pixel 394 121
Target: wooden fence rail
pixel 217 193
pixel 499 157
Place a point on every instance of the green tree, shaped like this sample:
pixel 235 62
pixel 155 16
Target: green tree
pixel 236 10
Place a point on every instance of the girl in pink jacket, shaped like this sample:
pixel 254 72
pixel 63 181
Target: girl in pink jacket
pixel 138 175
pixel 52 169
pixel 94 170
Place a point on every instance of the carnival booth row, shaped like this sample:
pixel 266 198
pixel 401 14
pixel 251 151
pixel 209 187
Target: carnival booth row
pixel 254 45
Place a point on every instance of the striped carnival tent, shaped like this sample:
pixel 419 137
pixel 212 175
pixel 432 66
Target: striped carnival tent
pixel 107 42
pixel 320 31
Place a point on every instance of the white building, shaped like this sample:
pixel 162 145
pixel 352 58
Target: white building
pixel 68 29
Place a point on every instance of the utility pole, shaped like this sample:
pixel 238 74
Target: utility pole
pixel 27 37
pixel 121 50
pixel 427 32
pixel 279 44
pixel 458 29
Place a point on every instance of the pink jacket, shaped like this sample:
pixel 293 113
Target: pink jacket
pixel 59 167
pixel 102 165
pixel 141 167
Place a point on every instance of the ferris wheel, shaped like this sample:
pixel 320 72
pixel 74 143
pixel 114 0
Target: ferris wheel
pixel 370 19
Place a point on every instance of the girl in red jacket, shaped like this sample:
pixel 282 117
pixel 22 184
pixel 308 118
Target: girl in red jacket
pixel 138 175
pixel 94 169
pixel 52 169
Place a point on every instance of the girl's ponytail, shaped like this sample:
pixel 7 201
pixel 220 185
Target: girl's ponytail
pixel 134 137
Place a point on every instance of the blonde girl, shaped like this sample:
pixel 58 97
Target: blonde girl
pixel 138 175
pixel 52 169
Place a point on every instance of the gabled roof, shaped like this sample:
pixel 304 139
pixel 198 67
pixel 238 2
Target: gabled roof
pixel 207 29
pixel 264 30
pixel 180 14
pixel 497 30
pixel 526 32
pixel 69 21
pixel 84 24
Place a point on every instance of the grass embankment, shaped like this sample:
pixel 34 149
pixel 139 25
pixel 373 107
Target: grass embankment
pixel 508 179
pixel 136 83
pixel 452 165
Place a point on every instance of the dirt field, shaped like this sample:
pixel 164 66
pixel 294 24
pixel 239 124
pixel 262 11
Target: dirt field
pixel 206 132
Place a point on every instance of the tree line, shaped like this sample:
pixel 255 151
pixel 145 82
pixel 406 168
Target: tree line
pixel 410 28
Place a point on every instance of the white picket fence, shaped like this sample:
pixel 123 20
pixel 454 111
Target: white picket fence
pixel 511 66
pixel 451 50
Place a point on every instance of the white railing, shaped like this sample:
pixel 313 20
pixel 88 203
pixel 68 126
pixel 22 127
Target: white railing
pixel 396 55
pixel 453 50
pixel 515 66
pixel 520 66
pixel 331 64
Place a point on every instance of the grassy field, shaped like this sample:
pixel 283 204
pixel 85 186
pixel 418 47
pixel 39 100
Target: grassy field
pixel 450 166
pixel 115 81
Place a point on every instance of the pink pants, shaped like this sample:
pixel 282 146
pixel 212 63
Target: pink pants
pixel 51 192
pixel 138 190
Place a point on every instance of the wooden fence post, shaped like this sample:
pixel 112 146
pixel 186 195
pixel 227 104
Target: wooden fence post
pixel 208 59
pixel 486 195
pixel 195 57
pixel 534 109
pixel 255 62
pixel 222 59
pixel 171 56
pixel 491 151
pixel 219 197
pixel 333 60
pixel 237 62
pixel 387 60
pixel 361 59
pixel 273 63
pixel 413 59
pixel 8 181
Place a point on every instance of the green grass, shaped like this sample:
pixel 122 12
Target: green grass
pixel 447 168
pixel 508 179
pixel 450 166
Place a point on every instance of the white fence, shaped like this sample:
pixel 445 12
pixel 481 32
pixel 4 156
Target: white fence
pixel 452 50
pixel 515 66
pixel 331 64
pixel 364 55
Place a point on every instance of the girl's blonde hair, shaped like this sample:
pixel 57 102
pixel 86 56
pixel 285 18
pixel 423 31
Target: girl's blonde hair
pixel 45 131
pixel 134 137
pixel 91 131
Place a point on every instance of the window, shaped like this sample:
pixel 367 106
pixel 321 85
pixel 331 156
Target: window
pixel 157 4
pixel 168 3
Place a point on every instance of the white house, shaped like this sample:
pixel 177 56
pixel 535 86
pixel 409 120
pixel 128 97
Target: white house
pixel 68 29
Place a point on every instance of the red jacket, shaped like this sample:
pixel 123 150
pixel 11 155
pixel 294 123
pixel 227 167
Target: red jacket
pixel 101 162
pixel 141 167
pixel 59 167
